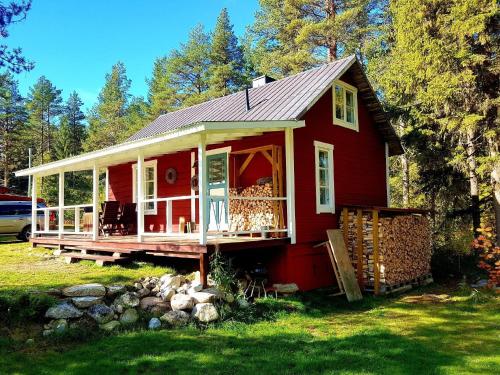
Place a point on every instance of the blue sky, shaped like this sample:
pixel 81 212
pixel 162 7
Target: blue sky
pixel 75 43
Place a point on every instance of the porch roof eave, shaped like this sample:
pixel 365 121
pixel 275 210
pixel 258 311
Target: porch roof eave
pixel 168 142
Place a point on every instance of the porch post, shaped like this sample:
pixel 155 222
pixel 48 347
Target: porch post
pixel 95 202
pixel 202 189
pixel 60 225
pixel 140 195
pixel 106 192
pixel 290 185
pixel 34 216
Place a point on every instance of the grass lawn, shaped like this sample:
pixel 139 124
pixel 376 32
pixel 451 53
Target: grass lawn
pixel 322 335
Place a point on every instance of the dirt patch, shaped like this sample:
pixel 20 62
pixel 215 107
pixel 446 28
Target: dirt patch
pixel 428 298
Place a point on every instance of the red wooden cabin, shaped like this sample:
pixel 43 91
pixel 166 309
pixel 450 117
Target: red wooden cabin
pixel 319 139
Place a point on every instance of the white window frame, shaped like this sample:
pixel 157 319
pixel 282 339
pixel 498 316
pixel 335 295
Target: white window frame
pixel 324 208
pixel 343 122
pixel 149 163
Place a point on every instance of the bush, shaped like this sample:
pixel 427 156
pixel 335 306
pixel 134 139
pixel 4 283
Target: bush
pixel 489 255
pixel 24 307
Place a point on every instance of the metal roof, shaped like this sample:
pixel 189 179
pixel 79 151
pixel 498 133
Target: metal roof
pixel 285 99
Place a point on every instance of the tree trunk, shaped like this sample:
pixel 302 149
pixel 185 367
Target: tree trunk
pixel 495 182
pixel 405 170
pixel 332 43
pixel 473 181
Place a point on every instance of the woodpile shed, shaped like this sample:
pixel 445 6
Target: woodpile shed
pixel 390 248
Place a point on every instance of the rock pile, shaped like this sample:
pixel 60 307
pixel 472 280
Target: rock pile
pixel 170 300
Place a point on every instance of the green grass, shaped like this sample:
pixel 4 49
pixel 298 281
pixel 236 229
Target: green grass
pixel 23 268
pixel 322 335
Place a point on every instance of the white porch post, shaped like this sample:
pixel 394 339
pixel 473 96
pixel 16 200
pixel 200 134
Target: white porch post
pixel 34 216
pixel 140 195
pixel 202 189
pixel 60 225
pixel 106 193
pixel 290 185
pixel 95 202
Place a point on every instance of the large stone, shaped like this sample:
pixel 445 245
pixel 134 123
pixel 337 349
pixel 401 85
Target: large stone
pixel 160 309
pixel 154 323
pixel 96 290
pixel 286 288
pixel 127 300
pixel 167 294
pixel 195 287
pixel 101 313
pixel 171 281
pixel 216 292
pixel 84 302
pixel 148 302
pixel 129 316
pixel 110 326
pixel 113 290
pixel 205 312
pixel 63 310
pixel 203 297
pixel 182 302
pixel 176 318
pixel 143 292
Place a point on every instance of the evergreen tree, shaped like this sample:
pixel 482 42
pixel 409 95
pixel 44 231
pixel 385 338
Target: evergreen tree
pixel 12 118
pixel 74 117
pixel 107 119
pixel 137 116
pixel 227 64
pixel 44 105
pixel 162 97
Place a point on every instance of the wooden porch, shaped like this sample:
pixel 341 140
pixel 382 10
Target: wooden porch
pixel 116 249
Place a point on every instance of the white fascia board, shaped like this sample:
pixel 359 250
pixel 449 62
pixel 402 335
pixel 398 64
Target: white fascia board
pixel 95 156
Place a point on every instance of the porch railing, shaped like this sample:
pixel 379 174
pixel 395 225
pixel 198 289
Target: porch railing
pixel 61 210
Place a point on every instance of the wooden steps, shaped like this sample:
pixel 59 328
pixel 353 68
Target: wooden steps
pixel 99 259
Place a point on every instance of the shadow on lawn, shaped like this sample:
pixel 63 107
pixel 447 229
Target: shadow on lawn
pixel 376 352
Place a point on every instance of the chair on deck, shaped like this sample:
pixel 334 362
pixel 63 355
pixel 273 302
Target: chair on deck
pixel 108 219
pixel 128 218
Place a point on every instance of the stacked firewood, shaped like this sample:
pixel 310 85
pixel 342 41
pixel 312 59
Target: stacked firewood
pixel 251 215
pixel 404 247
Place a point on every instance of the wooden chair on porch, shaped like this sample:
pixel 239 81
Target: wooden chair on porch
pixel 128 218
pixel 108 219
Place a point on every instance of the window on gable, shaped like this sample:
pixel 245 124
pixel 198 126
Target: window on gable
pixel 149 188
pixel 345 105
pixel 324 177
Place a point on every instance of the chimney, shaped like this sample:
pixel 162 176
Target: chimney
pixel 247 99
pixel 261 81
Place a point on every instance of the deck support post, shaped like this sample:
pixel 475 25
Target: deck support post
pixel 290 185
pixel 202 189
pixel 140 196
pixel 203 269
pixel 106 188
pixel 60 225
pixel 95 202
pixel 34 205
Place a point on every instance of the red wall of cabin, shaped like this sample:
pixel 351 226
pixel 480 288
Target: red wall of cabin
pixel 359 178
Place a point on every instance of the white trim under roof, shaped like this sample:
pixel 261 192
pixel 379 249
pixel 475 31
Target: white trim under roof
pixel 186 138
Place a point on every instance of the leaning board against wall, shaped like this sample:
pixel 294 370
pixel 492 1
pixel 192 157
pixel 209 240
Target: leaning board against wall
pixel 395 252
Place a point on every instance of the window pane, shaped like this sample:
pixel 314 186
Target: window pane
pixel 150 188
pixel 324 196
pixel 323 159
pixel 350 114
pixel 150 173
pixel 323 177
pixel 349 98
pixel 339 102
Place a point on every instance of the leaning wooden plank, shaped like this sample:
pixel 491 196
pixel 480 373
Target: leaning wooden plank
pixel 335 270
pixel 346 271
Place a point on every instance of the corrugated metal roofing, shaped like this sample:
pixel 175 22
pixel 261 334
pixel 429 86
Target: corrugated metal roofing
pixel 285 99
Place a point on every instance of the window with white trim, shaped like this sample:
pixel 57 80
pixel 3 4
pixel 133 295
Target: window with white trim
pixel 150 187
pixel 325 201
pixel 345 105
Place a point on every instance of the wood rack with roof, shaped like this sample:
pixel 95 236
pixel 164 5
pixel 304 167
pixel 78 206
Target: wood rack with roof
pixel 274 154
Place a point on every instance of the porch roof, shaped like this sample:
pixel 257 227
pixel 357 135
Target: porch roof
pixel 168 142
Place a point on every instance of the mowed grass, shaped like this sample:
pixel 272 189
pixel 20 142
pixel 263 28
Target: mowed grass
pixel 322 335
pixel 23 268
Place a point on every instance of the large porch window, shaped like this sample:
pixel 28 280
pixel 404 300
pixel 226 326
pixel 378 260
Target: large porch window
pixel 150 186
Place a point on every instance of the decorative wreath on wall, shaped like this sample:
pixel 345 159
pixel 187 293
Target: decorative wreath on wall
pixel 194 182
pixel 171 176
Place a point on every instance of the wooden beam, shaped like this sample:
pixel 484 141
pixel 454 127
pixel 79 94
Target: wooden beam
pixel 290 184
pixel 376 264
pixel 204 269
pixel 252 150
pixel 60 225
pixel 359 248
pixel 202 189
pixel 267 156
pixel 95 202
pixel 246 163
pixel 140 195
pixel 34 213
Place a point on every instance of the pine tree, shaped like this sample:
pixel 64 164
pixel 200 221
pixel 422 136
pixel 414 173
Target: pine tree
pixel 107 119
pixel 12 118
pixel 137 116
pixel 188 68
pixel 44 105
pixel 74 118
pixel 227 64
pixel 162 97
pixel 290 36
pixel 63 147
